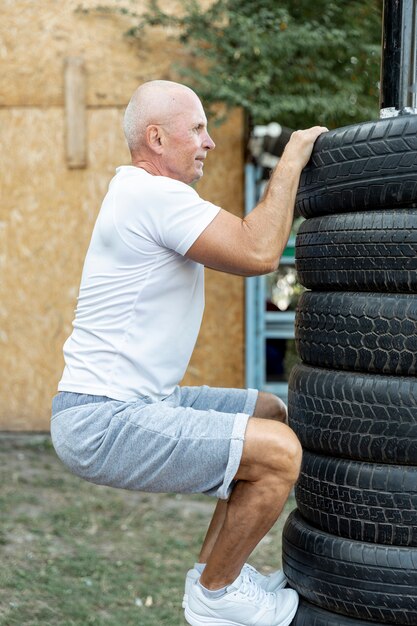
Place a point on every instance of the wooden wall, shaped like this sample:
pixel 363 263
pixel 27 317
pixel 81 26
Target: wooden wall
pixel 48 208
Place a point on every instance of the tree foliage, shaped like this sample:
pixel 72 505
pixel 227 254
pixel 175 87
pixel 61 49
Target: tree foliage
pixel 295 61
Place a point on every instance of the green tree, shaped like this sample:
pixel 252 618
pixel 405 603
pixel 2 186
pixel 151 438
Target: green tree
pixel 295 61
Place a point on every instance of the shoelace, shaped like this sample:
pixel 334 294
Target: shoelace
pixel 253 573
pixel 250 589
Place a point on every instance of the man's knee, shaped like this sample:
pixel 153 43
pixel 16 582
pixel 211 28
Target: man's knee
pixel 286 455
pixel 270 449
pixel 269 406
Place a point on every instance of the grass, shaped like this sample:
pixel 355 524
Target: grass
pixel 77 554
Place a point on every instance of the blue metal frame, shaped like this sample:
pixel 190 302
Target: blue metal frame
pixel 252 297
pixel 261 324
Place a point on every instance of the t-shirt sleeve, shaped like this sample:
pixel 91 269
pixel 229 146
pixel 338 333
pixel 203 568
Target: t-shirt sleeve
pixel 170 214
pixel 184 217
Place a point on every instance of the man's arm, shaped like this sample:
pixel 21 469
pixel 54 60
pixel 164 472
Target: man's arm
pixel 253 245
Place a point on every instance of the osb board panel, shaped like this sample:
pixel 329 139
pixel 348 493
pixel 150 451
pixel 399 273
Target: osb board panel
pixel 218 358
pixel 37 36
pixel 47 214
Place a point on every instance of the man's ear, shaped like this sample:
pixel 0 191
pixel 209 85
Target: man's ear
pixel 154 138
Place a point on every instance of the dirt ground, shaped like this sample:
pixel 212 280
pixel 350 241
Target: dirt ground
pixel 75 554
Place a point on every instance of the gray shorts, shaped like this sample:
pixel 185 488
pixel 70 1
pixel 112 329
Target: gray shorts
pixel 190 442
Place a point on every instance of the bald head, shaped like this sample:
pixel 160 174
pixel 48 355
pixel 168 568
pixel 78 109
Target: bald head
pixel 155 102
pixel 166 131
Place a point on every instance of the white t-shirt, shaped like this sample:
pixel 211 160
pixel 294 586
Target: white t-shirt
pixel 141 301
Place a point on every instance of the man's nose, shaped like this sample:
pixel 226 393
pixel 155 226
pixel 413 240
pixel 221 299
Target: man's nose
pixel 209 143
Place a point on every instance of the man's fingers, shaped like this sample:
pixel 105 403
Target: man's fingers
pixel 300 145
pixel 309 134
pixel 318 130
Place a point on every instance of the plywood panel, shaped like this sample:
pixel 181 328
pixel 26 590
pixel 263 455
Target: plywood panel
pixel 37 36
pixel 219 355
pixel 47 214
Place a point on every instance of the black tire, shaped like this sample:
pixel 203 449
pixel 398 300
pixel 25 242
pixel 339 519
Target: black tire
pixel 361 580
pixel 362 501
pixel 362 167
pixel 374 251
pixel 367 417
pixel 310 615
pixel 366 332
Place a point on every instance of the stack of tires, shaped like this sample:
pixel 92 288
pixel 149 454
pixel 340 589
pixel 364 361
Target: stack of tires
pixel 350 549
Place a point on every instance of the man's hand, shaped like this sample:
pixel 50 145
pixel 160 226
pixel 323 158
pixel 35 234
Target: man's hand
pixel 300 146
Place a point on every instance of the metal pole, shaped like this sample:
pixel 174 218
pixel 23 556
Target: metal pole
pixel 399 60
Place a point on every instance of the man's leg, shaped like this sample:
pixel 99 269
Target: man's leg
pixel 269 468
pixel 268 406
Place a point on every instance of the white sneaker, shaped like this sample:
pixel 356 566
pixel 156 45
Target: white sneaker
pixel 272 582
pixel 244 604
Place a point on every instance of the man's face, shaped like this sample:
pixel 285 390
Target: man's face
pixel 185 141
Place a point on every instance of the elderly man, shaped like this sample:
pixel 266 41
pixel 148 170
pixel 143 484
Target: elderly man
pixel 120 417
